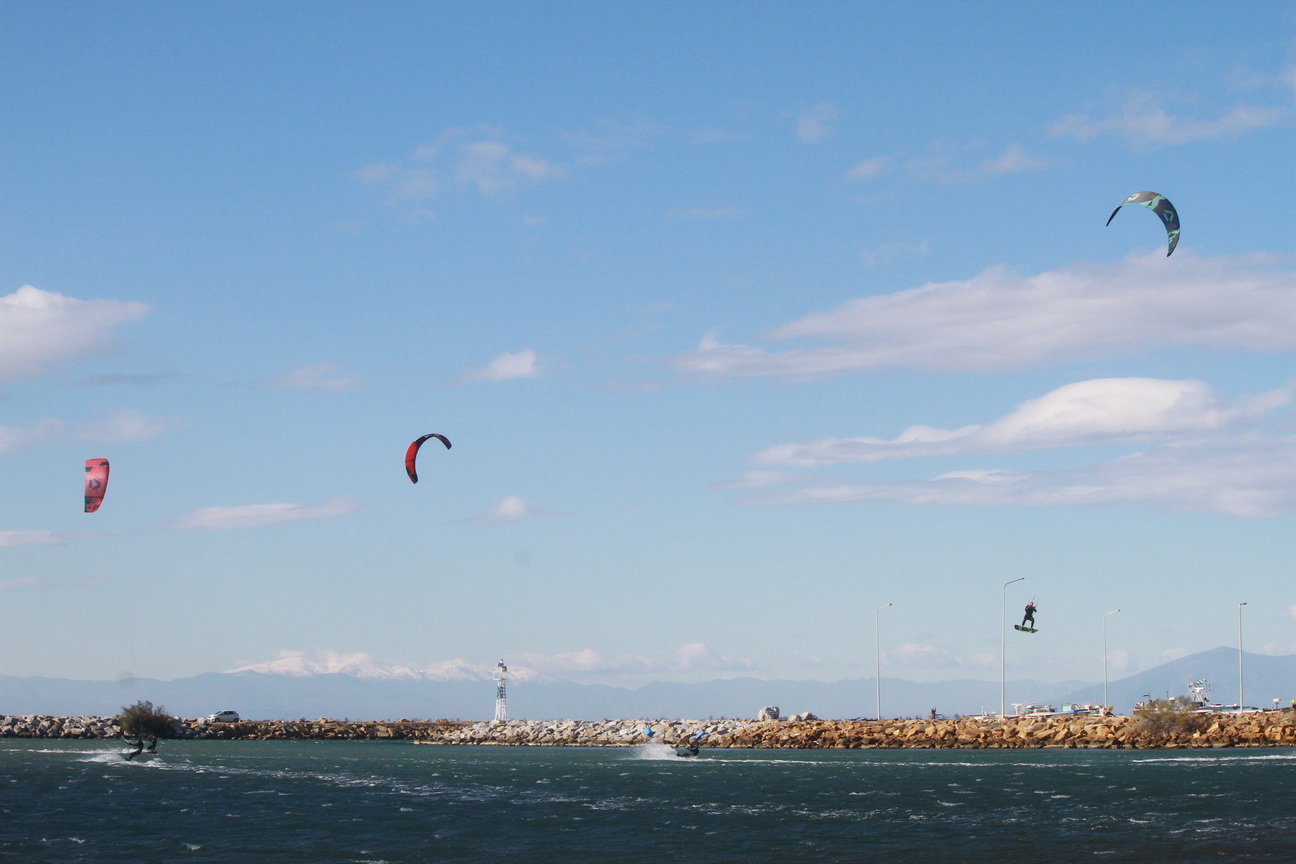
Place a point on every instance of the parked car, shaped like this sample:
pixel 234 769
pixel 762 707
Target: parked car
pixel 223 717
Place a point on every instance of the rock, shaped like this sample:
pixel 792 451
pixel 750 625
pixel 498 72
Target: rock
pixel 770 712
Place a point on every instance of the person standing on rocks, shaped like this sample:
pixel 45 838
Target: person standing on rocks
pixel 1029 619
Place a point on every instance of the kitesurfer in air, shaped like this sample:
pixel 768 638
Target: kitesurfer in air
pixel 1029 618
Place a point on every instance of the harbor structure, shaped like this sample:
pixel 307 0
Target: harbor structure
pixel 501 695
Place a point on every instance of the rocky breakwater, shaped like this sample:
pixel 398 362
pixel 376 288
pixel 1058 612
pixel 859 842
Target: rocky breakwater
pixel 1266 729
pixel 45 726
pixel 42 726
pixel 588 733
pixel 536 733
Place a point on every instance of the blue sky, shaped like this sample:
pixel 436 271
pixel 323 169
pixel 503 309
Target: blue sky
pixel 744 320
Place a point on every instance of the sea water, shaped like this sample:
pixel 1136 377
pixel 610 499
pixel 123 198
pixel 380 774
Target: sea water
pixel 332 801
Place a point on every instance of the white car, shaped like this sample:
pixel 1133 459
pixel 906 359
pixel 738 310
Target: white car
pixel 223 717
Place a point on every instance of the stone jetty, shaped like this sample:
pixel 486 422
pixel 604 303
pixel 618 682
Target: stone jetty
pixel 1263 729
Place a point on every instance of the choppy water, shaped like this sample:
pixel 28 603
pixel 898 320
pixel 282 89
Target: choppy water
pixel 225 801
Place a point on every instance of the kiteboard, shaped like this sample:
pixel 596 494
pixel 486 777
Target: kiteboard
pixel 1025 629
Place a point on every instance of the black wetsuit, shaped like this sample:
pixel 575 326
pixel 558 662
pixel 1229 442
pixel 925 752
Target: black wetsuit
pixel 1030 615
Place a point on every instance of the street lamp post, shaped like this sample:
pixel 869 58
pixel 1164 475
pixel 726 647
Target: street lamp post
pixel 1240 697
pixel 877 653
pixel 1003 640
pixel 1113 612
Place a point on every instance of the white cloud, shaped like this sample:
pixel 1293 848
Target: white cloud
pixel 32 538
pixel 888 252
pixel 704 213
pixel 125 427
pixel 17 437
pixel 762 480
pixel 322 661
pixel 1086 413
pixel 510 509
pixel 950 163
pixel 121 427
pixel 257 515
pixel 1004 321
pixel 317 378
pixel 21 582
pixel 1143 121
pixel 1013 160
pixel 815 125
pixel 41 331
pixel 1245 475
pixel 612 139
pixel 691 658
pixel 868 169
pixel 458 158
pixel 493 167
pixel 914 655
pixel 506 367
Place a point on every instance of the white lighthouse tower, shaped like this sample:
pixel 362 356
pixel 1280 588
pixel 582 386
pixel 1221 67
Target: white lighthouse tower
pixel 501 699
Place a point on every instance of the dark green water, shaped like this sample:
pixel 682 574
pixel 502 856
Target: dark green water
pixel 256 802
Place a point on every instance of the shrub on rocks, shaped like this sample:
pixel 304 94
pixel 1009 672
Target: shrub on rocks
pixel 142 719
pixel 1169 718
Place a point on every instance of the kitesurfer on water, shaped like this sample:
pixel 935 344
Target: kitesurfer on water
pixel 152 745
pixel 1030 614
pixel 138 744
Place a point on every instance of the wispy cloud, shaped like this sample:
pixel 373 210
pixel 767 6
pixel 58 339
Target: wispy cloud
pixel 33 538
pixel 887 252
pixel 1247 475
pixel 1143 121
pixel 481 159
pixel 42 431
pixel 510 509
pixel 506 367
pixel 1013 160
pixel 1003 321
pixel 41 331
pixel 704 213
pixel 125 427
pixel 693 657
pixel 317 378
pixel 121 427
pixel 613 139
pixel 867 169
pixel 1086 413
pixel 815 124
pixel 21 582
pixel 914 655
pixel 258 515
pixel 493 167
pixel 948 164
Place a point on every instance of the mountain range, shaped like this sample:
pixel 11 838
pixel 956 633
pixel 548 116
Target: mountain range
pixel 366 692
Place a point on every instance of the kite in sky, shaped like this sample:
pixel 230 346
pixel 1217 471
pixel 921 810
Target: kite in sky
pixel 412 453
pixel 1159 205
pixel 96 483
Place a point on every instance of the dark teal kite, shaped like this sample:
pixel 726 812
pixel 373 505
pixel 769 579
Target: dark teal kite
pixel 1159 205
